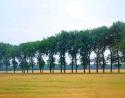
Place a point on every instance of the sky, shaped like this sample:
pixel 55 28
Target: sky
pixel 30 20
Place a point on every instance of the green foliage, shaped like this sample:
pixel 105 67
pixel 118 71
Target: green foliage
pixel 74 43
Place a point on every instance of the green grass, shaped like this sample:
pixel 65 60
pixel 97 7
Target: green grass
pixel 62 86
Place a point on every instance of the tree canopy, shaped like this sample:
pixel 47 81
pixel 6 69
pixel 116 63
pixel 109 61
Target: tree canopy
pixel 78 44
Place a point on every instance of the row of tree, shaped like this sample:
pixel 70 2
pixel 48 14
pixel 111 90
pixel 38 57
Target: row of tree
pixel 75 43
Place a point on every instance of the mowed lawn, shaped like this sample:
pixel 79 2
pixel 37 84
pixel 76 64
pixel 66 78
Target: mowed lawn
pixel 62 86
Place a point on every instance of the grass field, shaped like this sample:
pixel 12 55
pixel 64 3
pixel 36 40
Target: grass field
pixel 62 86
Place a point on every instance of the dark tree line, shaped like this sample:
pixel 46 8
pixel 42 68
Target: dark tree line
pixel 75 43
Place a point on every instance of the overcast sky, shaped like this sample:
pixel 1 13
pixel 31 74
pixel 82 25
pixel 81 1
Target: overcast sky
pixel 30 20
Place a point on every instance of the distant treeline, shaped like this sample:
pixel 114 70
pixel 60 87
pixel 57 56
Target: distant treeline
pixel 78 44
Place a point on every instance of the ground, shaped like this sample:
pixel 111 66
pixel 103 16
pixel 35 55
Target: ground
pixel 62 85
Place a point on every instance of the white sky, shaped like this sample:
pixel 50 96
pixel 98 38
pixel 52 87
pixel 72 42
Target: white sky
pixel 30 20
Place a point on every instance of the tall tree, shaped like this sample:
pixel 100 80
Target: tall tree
pixel 73 48
pixel 5 50
pixel 117 31
pixel 51 51
pixel 41 63
pixel 62 39
pixel 41 49
pixel 14 62
pixel 85 43
pixel 99 46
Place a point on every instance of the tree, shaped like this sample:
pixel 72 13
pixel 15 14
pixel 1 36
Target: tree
pixel 5 55
pixel 13 54
pixel 75 43
pixel 99 45
pixel 14 62
pixel 28 51
pixel 5 50
pixel 23 58
pixel 103 46
pixel 117 31
pixel 51 50
pixel 62 39
pixel 41 49
pixel 85 44
pixel 73 48
pixel 121 47
pixel 41 63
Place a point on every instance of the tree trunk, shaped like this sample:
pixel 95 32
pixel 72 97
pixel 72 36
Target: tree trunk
pixel 89 67
pixel 64 68
pixel 27 70
pixel 118 61
pixel 76 67
pixel 76 64
pixel 61 68
pixel 14 69
pixel 118 67
pixel 32 64
pixel 50 67
pixel 61 64
pixel 84 69
pixel 72 68
pixel 111 59
pixel 97 65
pixel 40 69
pixel 64 63
pixel 6 68
pixel 32 68
pixel 103 63
pixel 53 69
pixel 72 65
pixel 89 64
pixel 22 69
pixel 50 71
